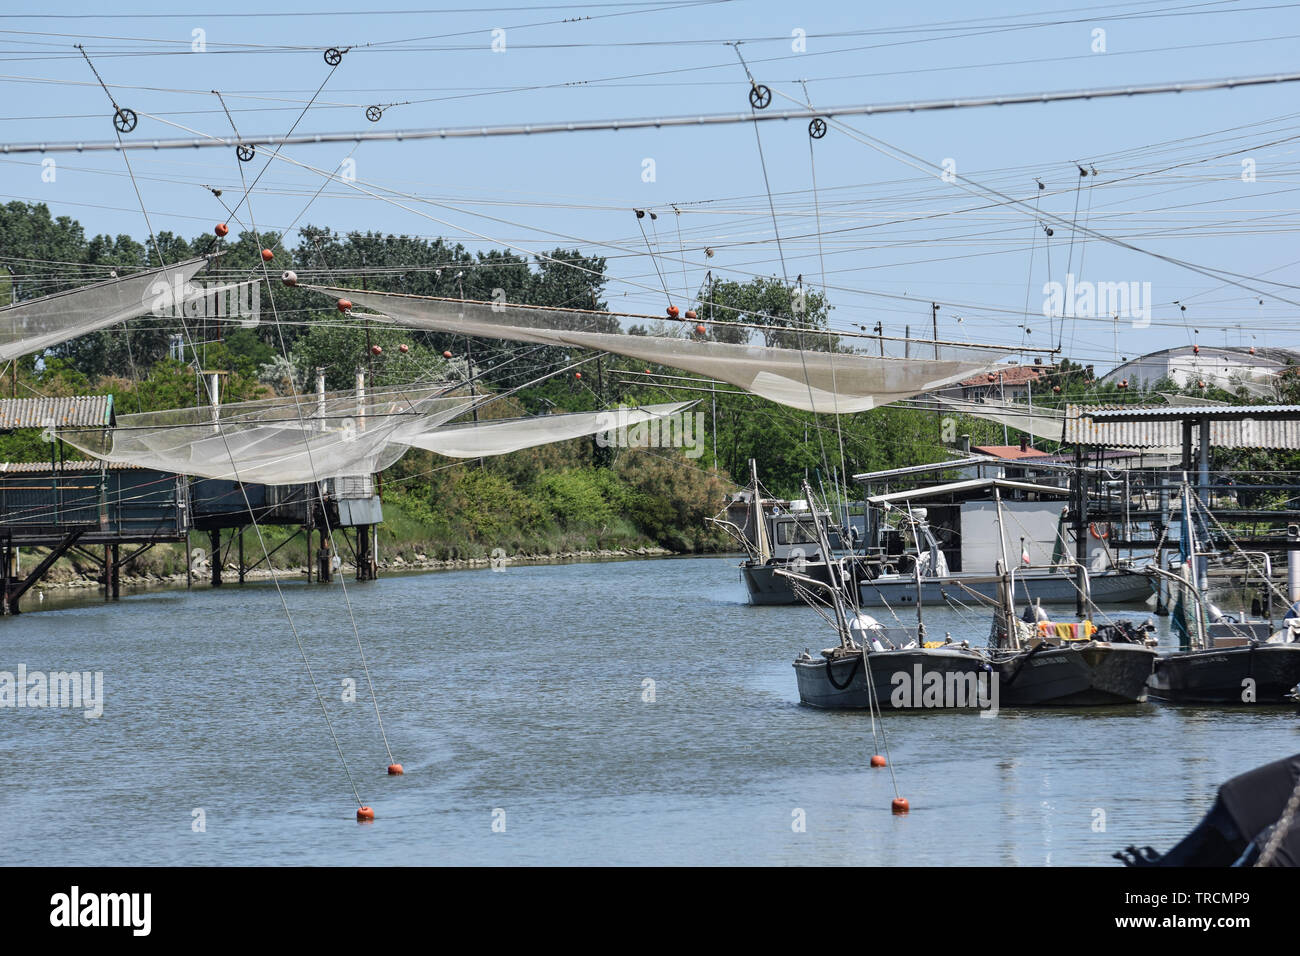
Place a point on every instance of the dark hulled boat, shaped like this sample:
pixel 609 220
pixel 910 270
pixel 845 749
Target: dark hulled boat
pixel 1222 660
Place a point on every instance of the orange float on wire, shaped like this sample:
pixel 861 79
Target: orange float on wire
pixel 577 375
pixel 700 329
pixel 403 348
pixel 877 761
pixel 690 314
pixel 395 770
pixel 672 312
pixel 221 229
pixel 900 805
pixel 447 354
pixel 345 305
pixel 267 255
pixel 376 350
pixel 365 814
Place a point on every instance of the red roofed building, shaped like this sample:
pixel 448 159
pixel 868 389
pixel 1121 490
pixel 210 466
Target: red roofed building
pixel 1012 381
pixel 1009 452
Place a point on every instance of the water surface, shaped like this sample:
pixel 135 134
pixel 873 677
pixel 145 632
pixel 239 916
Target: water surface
pixel 522 691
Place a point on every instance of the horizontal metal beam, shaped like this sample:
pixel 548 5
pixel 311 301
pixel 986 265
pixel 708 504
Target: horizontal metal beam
pixel 577 126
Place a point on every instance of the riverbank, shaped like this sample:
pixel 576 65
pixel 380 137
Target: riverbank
pixel 72 580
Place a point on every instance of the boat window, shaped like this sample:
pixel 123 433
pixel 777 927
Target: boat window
pixel 795 532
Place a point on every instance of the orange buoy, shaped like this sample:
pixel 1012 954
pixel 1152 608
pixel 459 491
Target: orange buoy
pixel 900 805
pixel 403 348
pixel 992 377
pixel 1252 350
pixel 345 305
pixel 1196 350
pixel 395 770
pixel 700 329
pixel 365 814
pixel 221 229
pixel 1200 385
pixel 267 255
pixel 1123 383
pixel 447 354
pixel 672 311
pixel 877 761
pixel 1056 389
pixel 577 375
pixel 376 350
pixel 690 314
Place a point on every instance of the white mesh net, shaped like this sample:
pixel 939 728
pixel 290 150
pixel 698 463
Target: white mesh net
pixel 480 440
pixel 818 381
pixel 39 324
pixel 275 441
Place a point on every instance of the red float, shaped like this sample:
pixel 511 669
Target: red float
pixel 900 805
pixel 365 814
pixel 221 229
pixel 877 761
pixel 345 305
pixel 376 350
pixel 403 348
pixel 267 255
pixel 395 770
pixel 672 312
pixel 446 354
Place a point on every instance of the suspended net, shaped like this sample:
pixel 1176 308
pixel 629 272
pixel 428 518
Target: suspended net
pixel 1047 423
pixel 39 324
pixel 485 439
pixel 811 378
pixel 276 441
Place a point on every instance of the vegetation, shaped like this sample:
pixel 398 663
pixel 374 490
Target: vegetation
pixel 567 497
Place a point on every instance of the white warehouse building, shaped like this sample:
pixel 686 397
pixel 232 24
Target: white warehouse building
pixel 1228 368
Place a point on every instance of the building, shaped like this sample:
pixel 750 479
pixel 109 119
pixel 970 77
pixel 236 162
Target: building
pixel 1014 382
pixel 1228 368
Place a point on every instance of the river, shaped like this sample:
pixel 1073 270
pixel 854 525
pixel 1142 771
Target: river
pixel 519 703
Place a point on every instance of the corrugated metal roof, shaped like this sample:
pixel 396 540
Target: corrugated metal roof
pixel 1160 427
pixel 1162 413
pixel 75 411
pixel 41 467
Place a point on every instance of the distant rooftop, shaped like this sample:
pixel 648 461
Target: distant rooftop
pixel 1009 452
pixel 75 411
pixel 1011 375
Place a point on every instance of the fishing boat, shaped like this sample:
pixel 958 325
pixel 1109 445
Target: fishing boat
pixel 1041 662
pixel 883 667
pixel 1223 659
pixel 952 532
pixel 778 535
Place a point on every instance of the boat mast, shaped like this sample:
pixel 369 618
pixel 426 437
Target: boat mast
pixel 760 522
pixel 832 569
pixel 1006 585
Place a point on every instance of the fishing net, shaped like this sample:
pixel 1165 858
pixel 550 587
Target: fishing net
pixel 39 324
pixel 275 441
pixel 811 378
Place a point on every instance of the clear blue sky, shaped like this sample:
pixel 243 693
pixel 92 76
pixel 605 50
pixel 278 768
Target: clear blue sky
pixel 894 237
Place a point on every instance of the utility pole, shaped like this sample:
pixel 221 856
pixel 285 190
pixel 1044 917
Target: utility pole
pixel 934 320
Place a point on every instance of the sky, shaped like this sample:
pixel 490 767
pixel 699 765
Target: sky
pixel 1207 178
